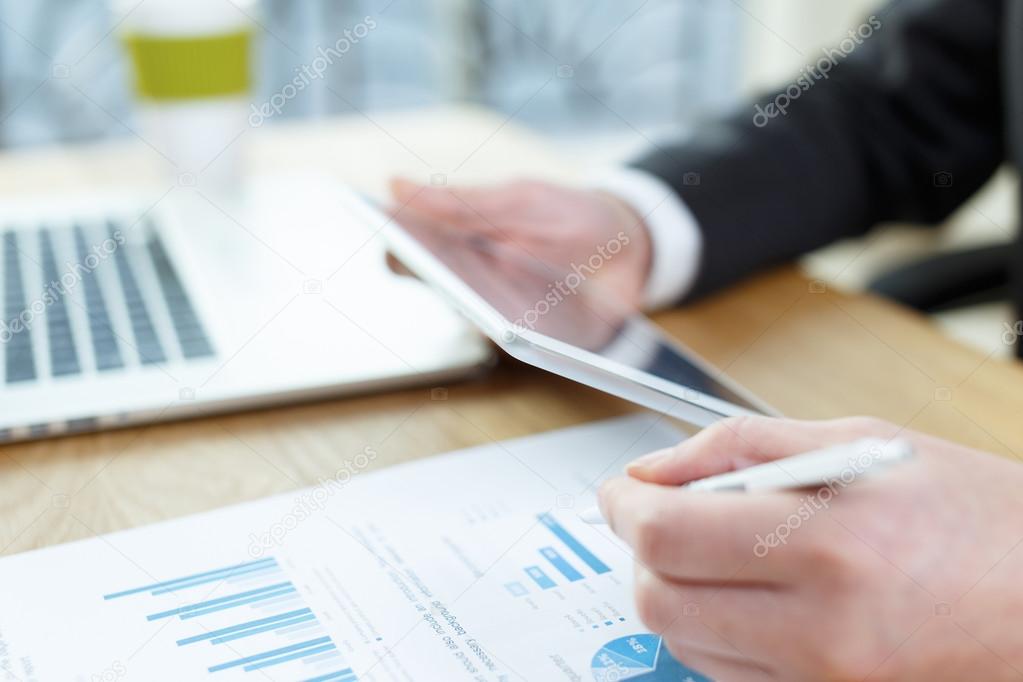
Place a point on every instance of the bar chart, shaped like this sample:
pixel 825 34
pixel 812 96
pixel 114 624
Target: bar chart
pixel 483 583
pixel 252 616
pixel 568 562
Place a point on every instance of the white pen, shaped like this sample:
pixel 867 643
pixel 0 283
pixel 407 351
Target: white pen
pixel 834 465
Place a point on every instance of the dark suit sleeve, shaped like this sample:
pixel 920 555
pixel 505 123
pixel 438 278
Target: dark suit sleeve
pixel 905 127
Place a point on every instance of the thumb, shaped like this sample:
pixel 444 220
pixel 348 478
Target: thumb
pixel 741 442
pixel 439 203
pixel 404 190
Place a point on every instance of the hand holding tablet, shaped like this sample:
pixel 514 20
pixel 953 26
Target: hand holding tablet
pixel 575 319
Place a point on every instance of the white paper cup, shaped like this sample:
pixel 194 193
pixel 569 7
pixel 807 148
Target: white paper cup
pixel 191 62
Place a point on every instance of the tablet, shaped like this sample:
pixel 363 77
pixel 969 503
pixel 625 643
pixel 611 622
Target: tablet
pixel 565 321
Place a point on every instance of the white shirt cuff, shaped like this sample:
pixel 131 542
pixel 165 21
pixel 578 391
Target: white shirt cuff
pixel 675 238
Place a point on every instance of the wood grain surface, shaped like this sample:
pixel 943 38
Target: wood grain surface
pixel 809 351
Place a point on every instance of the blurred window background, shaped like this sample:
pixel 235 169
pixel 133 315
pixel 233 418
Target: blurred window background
pixel 571 67
pixel 603 78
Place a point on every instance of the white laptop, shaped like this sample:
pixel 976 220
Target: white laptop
pixel 128 309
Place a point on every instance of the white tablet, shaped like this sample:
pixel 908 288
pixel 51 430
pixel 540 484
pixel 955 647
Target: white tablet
pixel 564 322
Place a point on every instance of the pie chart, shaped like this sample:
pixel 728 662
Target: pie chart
pixel 640 657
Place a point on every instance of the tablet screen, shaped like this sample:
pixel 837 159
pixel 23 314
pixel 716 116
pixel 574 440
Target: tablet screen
pixel 570 304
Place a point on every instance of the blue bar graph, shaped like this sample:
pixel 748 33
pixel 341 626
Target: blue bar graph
pixel 245 626
pixel 564 568
pixel 214 574
pixel 301 646
pixel 264 628
pixel 219 600
pixel 289 596
pixel 294 628
pixel 265 587
pixel 254 575
pixel 577 548
pixel 289 657
pixel 317 658
pixel 516 589
pixel 540 578
pixel 241 572
pixel 345 675
pixel 239 602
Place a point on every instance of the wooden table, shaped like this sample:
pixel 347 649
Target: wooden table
pixel 809 351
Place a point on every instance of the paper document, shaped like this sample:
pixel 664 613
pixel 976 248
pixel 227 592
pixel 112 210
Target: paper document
pixel 468 566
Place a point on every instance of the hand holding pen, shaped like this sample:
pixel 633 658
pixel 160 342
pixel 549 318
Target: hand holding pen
pixel 787 572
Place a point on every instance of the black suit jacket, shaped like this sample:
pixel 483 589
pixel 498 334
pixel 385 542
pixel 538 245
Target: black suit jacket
pixel 905 128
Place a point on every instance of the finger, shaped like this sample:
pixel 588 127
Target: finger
pixel 715 667
pixel 740 442
pixel 397 267
pixel 709 537
pixel 404 190
pixel 435 202
pixel 724 622
pixel 461 207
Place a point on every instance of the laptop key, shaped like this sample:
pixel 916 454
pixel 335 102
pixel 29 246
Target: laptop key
pixel 148 344
pixel 104 342
pixel 63 354
pixel 191 336
pixel 19 359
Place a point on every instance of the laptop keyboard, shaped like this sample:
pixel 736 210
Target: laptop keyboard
pixel 81 299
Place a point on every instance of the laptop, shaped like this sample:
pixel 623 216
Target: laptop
pixel 122 309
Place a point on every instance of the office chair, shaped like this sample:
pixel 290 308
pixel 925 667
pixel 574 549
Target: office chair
pixel 949 281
